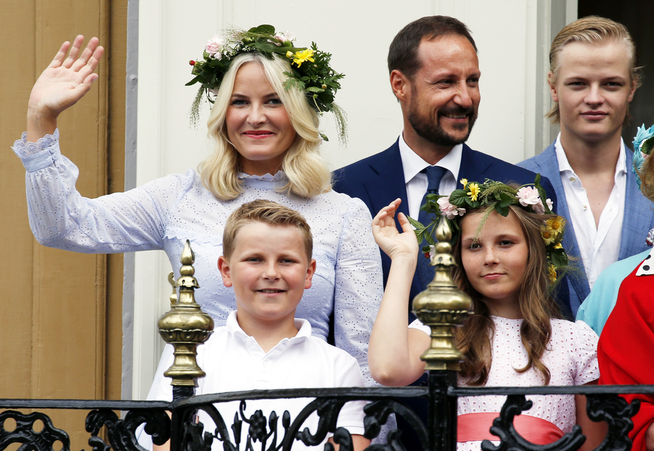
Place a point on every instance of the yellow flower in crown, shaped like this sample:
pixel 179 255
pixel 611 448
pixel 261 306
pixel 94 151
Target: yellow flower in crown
pixel 464 182
pixel 548 235
pixel 551 273
pixel 474 191
pixel 557 223
pixel 552 230
pixel 302 56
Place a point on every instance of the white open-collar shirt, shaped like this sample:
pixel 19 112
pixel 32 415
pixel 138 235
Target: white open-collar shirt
pixel 599 245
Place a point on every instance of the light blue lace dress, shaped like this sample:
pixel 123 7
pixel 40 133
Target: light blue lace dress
pixel 166 212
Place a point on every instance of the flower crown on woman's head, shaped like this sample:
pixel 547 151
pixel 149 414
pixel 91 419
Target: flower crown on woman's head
pixel 310 69
pixel 497 196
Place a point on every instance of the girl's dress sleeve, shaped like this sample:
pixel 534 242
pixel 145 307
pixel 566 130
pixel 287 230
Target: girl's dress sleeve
pixel 585 343
pixel 358 285
pixel 61 217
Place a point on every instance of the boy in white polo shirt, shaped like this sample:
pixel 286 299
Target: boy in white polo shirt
pixel 267 260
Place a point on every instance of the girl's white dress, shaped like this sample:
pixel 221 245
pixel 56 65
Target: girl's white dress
pixel 571 358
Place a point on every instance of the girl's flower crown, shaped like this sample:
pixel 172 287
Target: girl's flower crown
pixel 310 69
pixel 497 196
pixel 643 144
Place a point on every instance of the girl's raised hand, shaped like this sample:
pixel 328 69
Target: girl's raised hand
pixel 61 85
pixel 393 242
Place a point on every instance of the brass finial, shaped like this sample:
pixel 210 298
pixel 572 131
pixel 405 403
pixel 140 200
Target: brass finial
pixel 442 306
pixel 173 283
pixel 185 326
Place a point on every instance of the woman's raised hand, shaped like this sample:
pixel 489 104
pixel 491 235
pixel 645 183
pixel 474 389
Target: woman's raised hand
pixel 61 85
pixel 389 238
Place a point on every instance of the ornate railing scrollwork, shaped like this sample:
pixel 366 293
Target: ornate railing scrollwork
pixel 122 432
pixel 617 413
pixel 34 430
pixel 510 439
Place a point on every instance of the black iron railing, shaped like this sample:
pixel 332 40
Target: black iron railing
pixel 35 431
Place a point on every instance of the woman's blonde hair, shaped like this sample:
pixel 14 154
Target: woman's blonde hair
pixel 307 172
pixel 536 306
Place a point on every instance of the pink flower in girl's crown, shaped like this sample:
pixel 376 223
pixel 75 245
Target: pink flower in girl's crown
pixel 528 195
pixel 449 210
pixel 539 209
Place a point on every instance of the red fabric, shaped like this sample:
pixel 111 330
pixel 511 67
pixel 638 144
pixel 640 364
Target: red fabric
pixel 626 348
pixel 473 427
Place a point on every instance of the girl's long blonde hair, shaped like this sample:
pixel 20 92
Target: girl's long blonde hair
pixel 307 172
pixel 536 306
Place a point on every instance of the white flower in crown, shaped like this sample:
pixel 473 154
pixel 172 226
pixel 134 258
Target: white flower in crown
pixel 449 210
pixel 285 36
pixel 539 209
pixel 528 195
pixel 214 46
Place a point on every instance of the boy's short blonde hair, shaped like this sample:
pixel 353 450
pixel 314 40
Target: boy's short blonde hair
pixel 267 212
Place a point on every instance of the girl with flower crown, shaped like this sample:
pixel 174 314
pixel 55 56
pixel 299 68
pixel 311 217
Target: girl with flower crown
pixel 267 96
pixel 507 252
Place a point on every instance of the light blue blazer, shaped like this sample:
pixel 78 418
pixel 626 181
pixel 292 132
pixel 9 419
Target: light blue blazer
pixel 638 219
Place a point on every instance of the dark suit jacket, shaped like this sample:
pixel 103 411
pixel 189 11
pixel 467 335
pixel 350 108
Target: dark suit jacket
pixel 638 218
pixel 379 179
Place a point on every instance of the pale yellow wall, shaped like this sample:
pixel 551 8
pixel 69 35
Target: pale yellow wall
pixel 60 330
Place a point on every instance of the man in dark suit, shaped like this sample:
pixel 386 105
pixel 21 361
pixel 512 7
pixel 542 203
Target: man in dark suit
pixel 434 74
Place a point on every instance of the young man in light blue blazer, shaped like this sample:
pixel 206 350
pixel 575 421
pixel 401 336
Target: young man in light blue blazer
pixel 592 79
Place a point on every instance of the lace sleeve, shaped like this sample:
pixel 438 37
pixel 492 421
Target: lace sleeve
pixel 358 285
pixel 586 354
pixel 61 217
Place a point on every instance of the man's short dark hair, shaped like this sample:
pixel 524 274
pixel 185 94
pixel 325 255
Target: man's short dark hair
pixel 403 52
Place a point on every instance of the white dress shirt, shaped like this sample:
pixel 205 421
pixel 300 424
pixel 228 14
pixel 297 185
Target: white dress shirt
pixel 416 181
pixel 599 245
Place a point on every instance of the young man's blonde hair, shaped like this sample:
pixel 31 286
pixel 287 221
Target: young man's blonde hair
pixel 307 172
pixel 591 30
pixel 266 212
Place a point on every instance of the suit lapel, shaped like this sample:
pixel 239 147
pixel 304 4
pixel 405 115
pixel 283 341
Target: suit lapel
pixel 550 164
pixel 389 182
pixel 473 166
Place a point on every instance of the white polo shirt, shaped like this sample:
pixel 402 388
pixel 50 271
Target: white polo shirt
pixel 416 181
pixel 599 245
pixel 234 361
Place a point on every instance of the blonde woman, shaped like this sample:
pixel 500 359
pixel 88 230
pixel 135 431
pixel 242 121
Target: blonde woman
pixel 265 126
